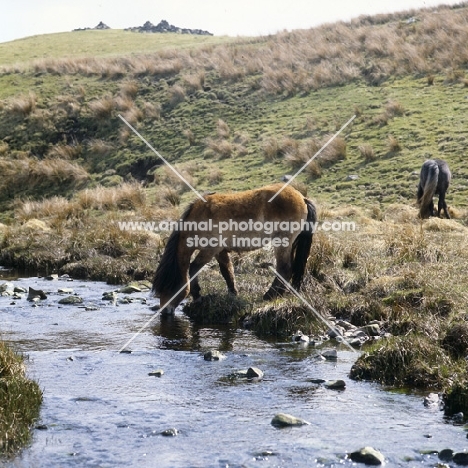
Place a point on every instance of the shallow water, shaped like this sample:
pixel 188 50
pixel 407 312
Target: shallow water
pixel 101 409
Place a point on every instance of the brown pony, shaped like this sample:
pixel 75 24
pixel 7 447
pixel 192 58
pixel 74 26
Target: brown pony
pixel 232 223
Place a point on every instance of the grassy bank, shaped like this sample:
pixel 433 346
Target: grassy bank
pixel 20 400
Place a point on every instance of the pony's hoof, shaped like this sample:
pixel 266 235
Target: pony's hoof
pixel 168 311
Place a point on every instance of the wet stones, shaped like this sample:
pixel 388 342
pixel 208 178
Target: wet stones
pixel 335 384
pixel 109 296
pixel 172 432
pixel 330 354
pixel 36 294
pixel 367 455
pixel 433 400
pixel 254 373
pixel 251 374
pixel 71 300
pixel 287 420
pixel 213 355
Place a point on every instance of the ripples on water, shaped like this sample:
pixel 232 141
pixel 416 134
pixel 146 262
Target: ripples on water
pixel 101 408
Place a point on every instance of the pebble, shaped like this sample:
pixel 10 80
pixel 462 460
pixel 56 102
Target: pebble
pixel 70 300
pixel 285 420
pixel 446 455
pixel 36 294
pixel 254 373
pixel 129 289
pixel 330 355
pixel 109 296
pixel 335 384
pixel 367 455
pixel 461 458
pixel 213 356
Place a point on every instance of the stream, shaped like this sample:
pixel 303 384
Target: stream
pixel 102 409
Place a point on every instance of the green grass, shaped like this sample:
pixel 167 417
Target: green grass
pixel 105 43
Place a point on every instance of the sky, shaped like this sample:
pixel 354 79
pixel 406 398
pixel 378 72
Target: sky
pixel 23 18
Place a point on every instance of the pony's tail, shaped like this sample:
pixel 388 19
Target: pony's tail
pixel 429 187
pixel 301 246
pixel 168 275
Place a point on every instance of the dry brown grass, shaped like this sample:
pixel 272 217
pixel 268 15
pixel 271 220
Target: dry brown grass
pixel 393 144
pixel 367 152
pixel 176 95
pixel 30 173
pixel 23 105
pixel 152 110
pixel 127 196
pixel 66 152
pixel 102 108
pixel 318 154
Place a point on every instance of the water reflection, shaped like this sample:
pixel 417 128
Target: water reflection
pixel 180 334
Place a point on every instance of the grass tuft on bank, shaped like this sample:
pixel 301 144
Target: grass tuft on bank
pixel 20 401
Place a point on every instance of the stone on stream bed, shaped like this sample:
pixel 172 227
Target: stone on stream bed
pixel 129 289
pixel 446 455
pixel 109 296
pixel 156 373
pixel 71 300
pixel 335 384
pixel 65 291
pixel 35 294
pixel 287 420
pixel 213 356
pixel 460 458
pixel 252 373
pixel 330 355
pixel 367 455
pixel 172 432
pixel 300 338
pixel 7 287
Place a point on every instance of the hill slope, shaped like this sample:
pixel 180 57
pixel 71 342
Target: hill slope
pixel 243 112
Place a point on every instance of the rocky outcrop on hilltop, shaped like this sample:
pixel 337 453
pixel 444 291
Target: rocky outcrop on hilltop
pixel 164 27
pixel 101 25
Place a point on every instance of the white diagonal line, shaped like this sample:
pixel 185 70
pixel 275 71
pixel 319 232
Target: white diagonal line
pixel 158 311
pixel 317 314
pixel 312 158
pixel 165 161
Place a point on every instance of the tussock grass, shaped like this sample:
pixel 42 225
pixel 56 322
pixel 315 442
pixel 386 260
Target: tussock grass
pixel 127 196
pixel 218 308
pixel 23 105
pixel 283 319
pixel 31 175
pixel 102 108
pixel 407 361
pixel 297 154
pixel 367 152
pixel 20 400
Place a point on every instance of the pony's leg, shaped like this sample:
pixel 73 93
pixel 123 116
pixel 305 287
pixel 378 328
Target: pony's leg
pixel 227 270
pixel 202 258
pixel 443 206
pixel 283 267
